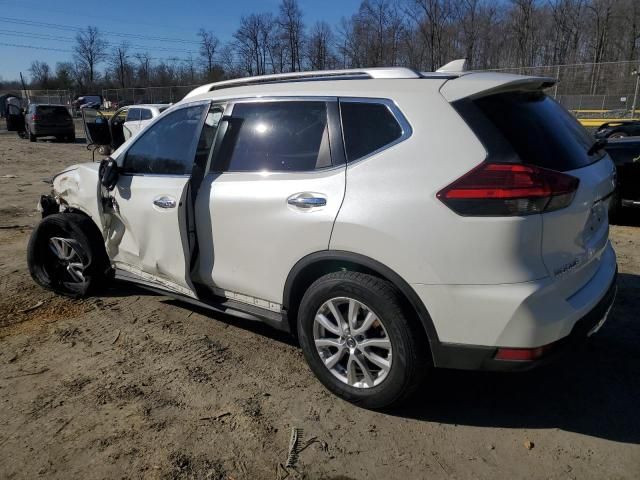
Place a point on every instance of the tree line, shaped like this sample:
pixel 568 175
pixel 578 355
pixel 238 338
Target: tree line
pixel 421 34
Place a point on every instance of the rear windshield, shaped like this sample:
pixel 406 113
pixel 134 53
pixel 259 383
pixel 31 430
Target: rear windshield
pixel 540 131
pixel 53 111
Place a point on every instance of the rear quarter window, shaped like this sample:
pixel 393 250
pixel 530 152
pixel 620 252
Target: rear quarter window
pixel 367 127
pixel 540 131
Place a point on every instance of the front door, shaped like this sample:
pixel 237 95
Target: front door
pixel 148 238
pixel 15 118
pixel 274 191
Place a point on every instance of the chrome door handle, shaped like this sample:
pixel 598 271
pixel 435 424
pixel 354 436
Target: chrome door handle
pixel 307 202
pixel 164 202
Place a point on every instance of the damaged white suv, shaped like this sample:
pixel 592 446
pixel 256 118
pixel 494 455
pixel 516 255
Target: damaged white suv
pixel 393 220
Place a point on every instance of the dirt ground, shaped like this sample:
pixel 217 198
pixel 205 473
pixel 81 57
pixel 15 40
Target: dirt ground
pixel 134 385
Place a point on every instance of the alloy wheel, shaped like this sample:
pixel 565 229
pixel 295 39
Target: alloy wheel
pixel 352 342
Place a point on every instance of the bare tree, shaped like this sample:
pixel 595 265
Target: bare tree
pixel 144 68
pixel 254 42
pixel 290 22
pixel 40 74
pixel 120 63
pixel 208 47
pixel 319 47
pixel 90 50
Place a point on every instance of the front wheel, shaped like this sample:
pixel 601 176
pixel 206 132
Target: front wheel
pixel 66 254
pixel 359 341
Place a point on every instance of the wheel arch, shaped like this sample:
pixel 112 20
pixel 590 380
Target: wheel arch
pixel 313 266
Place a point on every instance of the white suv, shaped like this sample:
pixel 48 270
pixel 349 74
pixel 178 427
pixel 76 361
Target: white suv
pixel 394 220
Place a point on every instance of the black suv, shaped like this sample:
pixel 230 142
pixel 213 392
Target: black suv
pixel 49 121
pixel 623 128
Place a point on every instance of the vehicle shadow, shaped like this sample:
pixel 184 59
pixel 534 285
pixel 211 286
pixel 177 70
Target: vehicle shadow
pixel 594 391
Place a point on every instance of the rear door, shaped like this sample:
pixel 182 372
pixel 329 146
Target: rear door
pixel 543 133
pixel 271 198
pixel 148 238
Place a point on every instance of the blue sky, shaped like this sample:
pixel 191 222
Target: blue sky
pixel 177 19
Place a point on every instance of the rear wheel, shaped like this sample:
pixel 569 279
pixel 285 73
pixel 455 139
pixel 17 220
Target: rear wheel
pixel 618 135
pixel 66 255
pixel 358 341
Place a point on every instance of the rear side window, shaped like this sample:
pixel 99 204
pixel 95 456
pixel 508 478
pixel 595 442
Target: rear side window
pixel 539 130
pixel 276 136
pixel 51 111
pixel 145 114
pixel 133 114
pixel 367 127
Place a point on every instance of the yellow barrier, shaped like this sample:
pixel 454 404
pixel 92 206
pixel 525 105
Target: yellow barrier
pixel 596 122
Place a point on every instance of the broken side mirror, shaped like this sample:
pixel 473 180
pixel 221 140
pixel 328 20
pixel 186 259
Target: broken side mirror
pixel 108 173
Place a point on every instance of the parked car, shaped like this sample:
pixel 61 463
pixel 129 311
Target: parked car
pixel 87 101
pixel 621 129
pixel 393 220
pixel 625 153
pixel 108 132
pixel 49 121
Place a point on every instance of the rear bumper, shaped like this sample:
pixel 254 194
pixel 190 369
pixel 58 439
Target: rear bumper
pixel 52 131
pixel 470 357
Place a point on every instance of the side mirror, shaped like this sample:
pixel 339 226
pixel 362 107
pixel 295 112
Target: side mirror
pixel 108 173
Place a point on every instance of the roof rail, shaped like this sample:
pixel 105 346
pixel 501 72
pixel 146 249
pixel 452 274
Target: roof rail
pixel 347 74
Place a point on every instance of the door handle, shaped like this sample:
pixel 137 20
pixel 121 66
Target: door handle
pixel 164 202
pixel 306 201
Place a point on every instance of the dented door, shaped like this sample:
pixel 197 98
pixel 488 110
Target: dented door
pixel 147 237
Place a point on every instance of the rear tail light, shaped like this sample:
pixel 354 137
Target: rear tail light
pixel 35 117
pixel 509 189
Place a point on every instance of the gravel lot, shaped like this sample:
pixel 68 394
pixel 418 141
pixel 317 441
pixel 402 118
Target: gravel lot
pixel 135 385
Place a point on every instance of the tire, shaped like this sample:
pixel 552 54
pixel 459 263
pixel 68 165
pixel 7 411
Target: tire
pixel 104 150
pixel 408 343
pixel 32 137
pixel 76 238
pixel 70 138
pixel 618 135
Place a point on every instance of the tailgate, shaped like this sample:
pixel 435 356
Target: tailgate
pixel 573 238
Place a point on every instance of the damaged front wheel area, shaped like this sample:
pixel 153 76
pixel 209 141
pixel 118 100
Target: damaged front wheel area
pixel 64 256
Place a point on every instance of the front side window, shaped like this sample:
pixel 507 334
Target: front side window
pixel 276 136
pixel 367 127
pixel 168 146
pixel 133 115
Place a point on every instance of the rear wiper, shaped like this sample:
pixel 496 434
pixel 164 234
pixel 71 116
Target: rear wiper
pixel 597 145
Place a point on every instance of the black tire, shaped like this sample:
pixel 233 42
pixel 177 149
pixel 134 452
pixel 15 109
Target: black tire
pixel 104 150
pixel 61 139
pixel 410 348
pixel 618 135
pixel 70 138
pixel 82 236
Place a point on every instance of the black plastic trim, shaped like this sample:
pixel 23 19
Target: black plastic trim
pixel 376 267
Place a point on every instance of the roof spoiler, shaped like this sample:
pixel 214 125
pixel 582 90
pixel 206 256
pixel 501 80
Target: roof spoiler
pixel 481 84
